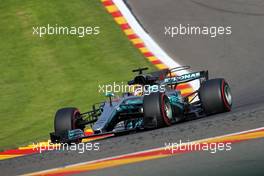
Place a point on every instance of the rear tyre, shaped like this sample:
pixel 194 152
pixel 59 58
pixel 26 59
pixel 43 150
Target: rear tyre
pixel 65 119
pixel 215 96
pixel 157 111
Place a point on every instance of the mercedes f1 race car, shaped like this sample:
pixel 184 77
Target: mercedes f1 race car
pixel 158 105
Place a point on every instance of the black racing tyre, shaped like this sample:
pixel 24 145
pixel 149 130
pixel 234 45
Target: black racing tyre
pixel 157 110
pixel 215 96
pixel 65 119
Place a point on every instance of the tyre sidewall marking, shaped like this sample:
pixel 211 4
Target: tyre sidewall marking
pixel 228 106
pixel 74 118
pixel 164 115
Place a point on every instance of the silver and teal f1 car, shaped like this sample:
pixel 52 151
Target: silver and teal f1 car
pixel 158 106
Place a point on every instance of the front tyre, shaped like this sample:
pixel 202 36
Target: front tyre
pixel 66 119
pixel 215 96
pixel 157 111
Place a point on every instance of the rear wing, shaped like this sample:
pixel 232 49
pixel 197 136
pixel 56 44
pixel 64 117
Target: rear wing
pixel 172 80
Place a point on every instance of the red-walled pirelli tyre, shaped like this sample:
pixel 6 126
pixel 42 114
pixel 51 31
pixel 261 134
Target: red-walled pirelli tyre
pixel 65 119
pixel 215 96
pixel 157 110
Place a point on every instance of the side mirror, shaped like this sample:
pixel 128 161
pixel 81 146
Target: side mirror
pixel 110 95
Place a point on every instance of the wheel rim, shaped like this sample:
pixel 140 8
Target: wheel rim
pixel 168 109
pixel 227 93
pixel 74 117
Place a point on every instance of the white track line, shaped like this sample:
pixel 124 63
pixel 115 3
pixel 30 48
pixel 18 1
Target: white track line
pixel 149 42
pixel 144 151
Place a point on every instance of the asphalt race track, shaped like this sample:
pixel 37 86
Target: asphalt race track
pixel 239 58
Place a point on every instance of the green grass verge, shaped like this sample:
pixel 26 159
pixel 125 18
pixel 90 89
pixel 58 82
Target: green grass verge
pixel 40 75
